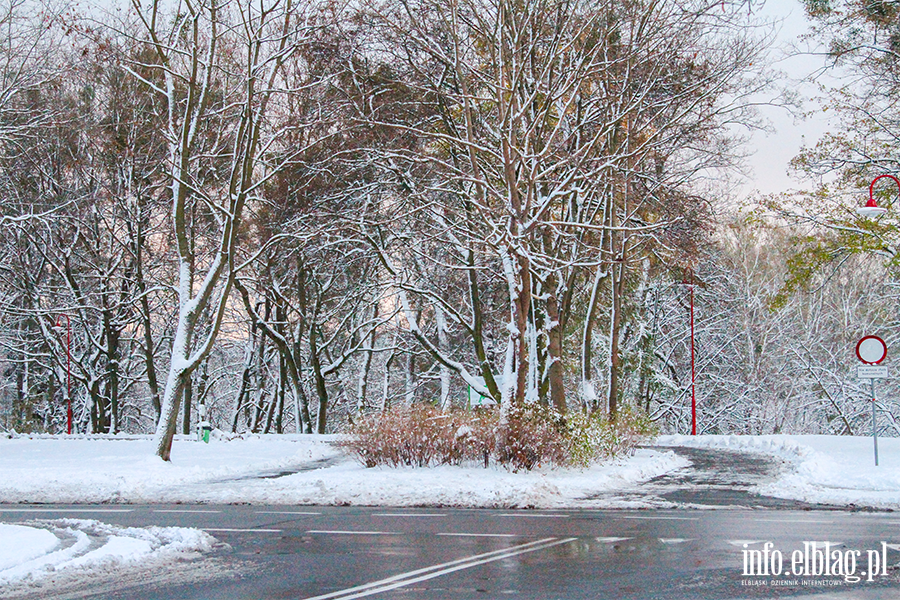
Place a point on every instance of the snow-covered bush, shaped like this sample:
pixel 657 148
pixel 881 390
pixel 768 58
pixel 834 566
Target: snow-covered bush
pixel 529 437
pixel 421 436
pixel 532 435
pixel 593 438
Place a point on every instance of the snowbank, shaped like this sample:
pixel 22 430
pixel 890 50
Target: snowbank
pixel 113 469
pixel 73 547
pixel 825 469
pixel 287 469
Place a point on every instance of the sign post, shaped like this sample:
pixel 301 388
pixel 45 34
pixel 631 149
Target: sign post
pixel 871 350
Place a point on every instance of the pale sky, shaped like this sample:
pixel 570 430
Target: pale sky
pixel 774 151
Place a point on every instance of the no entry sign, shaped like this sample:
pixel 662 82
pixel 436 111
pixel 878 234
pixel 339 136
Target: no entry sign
pixel 871 350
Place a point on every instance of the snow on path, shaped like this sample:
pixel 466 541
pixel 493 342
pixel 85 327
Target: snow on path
pixel 824 469
pixel 22 544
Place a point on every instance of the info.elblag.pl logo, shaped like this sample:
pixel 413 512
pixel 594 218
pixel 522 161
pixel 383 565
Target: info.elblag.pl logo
pixel 816 560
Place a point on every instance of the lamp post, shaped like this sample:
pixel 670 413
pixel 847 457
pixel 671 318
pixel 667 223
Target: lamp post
pixel 870 211
pixel 68 369
pixel 689 283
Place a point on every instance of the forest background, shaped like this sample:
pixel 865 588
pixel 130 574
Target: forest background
pixel 285 214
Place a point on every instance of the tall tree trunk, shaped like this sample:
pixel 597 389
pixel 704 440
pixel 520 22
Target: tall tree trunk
pixel 485 368
pixel 148 350
pixel 615 324
pixel 246 375
pixel 111 335
pixel 282 384
pixel 522 305
pixel 363 381
pixel 148 347
pixel 187 395
pixel 588 392
pixel 386 383
pixel 554 349
pixel 321 389
pixel 410 396
pixel 444 345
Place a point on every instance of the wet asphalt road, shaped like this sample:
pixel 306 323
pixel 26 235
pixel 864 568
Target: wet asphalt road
pixel 716 478
pixel 289 552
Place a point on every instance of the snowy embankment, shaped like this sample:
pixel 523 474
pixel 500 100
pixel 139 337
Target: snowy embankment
pixel 68 548
pixel 287 469
pixel 823 469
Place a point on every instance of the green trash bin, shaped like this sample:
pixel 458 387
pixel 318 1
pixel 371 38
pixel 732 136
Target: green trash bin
pixel 204 428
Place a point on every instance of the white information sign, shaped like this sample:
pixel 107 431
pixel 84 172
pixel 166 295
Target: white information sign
pixel 871 372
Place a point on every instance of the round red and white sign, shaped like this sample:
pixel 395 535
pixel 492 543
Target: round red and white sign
pixel 871 350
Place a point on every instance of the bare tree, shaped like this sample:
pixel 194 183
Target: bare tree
pixel 555 147
pixel 222 65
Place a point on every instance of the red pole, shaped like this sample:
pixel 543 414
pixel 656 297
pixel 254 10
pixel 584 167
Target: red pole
pixel 693 372
pixel 68 370
pixel 69 374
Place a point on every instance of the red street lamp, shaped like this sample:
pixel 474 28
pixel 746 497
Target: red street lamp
pixel 871 209
pixel 68 369
pixel 689 283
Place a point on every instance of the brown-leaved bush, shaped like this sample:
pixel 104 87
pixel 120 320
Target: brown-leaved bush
pixel 529 436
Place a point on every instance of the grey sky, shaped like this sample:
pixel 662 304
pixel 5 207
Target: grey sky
pixel 773 151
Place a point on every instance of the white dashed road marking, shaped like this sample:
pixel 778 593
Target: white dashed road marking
pixel 537 515
pixel 69 510
pixel 285 512
pixel 341 532
pixel 660 518
pixel 215 529
pixel 180 511
pixel 408 515
pixel 793 521
pixel 479 534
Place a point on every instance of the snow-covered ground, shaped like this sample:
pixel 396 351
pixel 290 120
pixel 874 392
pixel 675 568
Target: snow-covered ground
pixel 309 469
pixel 286 469
pixel 825 469
pixel 65 549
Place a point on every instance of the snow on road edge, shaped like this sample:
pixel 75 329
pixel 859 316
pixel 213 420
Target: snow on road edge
pixel 836 470
pixel 69 548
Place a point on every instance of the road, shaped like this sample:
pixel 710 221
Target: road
pixel 341 553
pixel 716 478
